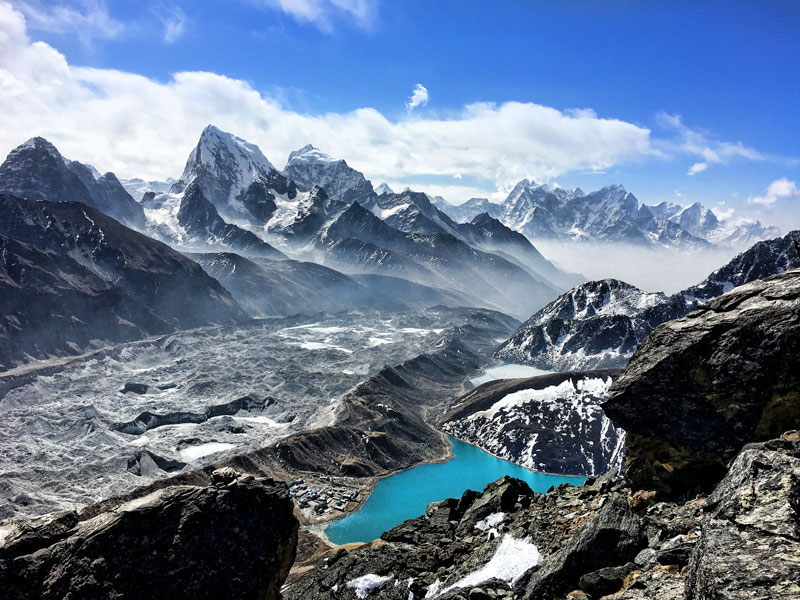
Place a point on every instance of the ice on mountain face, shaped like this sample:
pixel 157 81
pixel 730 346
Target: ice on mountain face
pixel 508 371
pixel 383 189
pixel 216 146
pixel 309 167
pixel 191 453
pixel 309 154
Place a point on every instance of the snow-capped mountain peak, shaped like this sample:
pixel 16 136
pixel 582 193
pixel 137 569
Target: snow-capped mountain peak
pixel 233 175
pixel 310 154
pixel 383 189
pixel 309 167
pixel 218 149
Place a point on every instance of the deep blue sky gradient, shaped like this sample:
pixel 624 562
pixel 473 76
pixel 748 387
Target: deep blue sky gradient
pixel 731 68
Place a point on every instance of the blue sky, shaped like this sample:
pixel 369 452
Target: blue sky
pixel 578 93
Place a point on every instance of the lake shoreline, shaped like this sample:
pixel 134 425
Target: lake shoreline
pixel 474 453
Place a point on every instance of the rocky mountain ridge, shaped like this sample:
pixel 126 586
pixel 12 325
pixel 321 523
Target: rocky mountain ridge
pixel 599 324
pixel 37 170
pixel 75 277
pixel 232 537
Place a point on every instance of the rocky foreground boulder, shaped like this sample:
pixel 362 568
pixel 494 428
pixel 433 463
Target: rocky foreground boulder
pixel 750 541
pixel 701 387
pixel 235 538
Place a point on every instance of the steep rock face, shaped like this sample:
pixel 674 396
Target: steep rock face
pixel 550 423
pixel 754 512
pixel 453 263
pixel 200 219
pixel 50 304
pixel 595 325
pixel 235 538
pixel 309 167
pixel 763 259
pixel 68 253
pixel 234 176
pixel 37 170
pixel 587 329
pixel 700 387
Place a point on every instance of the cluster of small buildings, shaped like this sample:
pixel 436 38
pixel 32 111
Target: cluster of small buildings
pixel 321 499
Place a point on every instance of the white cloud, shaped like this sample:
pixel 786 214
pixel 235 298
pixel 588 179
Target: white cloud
pixel 697 168
pixel 723 211
pixel 173 18
pixel 136 126
pixel 701 144
pixel 323 13
pixel 89 21
pixel 780 189
pixel 419 97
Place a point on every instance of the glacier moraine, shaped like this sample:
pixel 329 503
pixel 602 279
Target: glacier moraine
pixel 70 435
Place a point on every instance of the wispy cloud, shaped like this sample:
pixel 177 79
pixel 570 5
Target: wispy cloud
pixel 780 189
pixel 697 167
pixel 323 14
pixel 86 19
pixel 173 18
pixel 701 144
pixel 419 97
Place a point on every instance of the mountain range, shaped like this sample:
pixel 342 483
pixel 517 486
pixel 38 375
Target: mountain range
pixel 313 236
pixel 609 215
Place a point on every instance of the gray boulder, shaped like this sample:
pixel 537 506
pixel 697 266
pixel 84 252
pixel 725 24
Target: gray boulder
pixel 700 387
pixel 235 538
pixel 750 542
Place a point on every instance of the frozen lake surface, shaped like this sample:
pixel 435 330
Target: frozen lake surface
pixel 508 371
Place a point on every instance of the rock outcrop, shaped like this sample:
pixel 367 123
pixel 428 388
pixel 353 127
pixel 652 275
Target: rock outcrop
pixel 700 387
pixel 234 538
pixel 750 542
pixel 508 542
pixel 551 423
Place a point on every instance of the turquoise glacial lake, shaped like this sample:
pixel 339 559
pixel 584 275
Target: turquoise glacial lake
pixel 406 495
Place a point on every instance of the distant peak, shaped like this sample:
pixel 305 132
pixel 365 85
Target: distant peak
pixel 383 189
pixel 309 154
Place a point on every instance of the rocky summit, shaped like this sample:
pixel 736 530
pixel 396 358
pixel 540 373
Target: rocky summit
pixel 700 387
pixel 233 538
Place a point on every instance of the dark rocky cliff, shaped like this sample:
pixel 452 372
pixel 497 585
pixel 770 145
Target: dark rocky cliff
pixel 233 538
pixel 700 387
